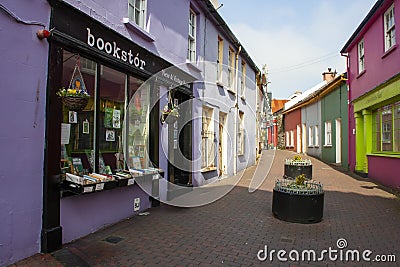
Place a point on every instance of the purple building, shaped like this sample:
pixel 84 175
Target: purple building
pixel 127 61
pixel 374 94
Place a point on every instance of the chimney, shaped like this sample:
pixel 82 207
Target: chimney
pixel 329 75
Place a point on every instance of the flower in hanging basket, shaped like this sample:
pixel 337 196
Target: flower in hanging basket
pixel 72 92
pixel 170 113
pixel 74 99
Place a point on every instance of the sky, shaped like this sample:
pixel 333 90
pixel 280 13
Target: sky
pixel 296 40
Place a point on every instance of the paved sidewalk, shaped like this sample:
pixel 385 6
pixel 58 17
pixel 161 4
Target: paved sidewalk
pixel 232 230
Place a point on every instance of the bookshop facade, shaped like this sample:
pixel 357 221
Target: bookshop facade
pixel 103 103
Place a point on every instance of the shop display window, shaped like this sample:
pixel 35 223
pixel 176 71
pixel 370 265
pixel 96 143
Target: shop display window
pixel 106 141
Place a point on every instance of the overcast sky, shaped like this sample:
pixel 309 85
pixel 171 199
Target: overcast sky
pixel 297 40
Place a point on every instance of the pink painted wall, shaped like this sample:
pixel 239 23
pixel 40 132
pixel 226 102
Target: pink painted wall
pixel 377 68
pixel 384 174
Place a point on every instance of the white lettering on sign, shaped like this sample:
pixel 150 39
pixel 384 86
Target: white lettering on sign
pixel 112 49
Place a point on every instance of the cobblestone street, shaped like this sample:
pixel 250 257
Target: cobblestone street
pixel 232 230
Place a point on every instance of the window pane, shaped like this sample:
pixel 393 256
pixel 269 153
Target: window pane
pixel 80 138
pixel 138 124
pixel 397 127
pixel 111 114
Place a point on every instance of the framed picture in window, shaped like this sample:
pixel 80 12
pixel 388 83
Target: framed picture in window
pixel 110 135
pixel 73 117
pixel 85 127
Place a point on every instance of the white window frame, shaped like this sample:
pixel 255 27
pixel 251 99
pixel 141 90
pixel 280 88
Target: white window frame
pixel 328 133
pixel 361 58
pixel 287 139
pixel 389 26
pixel 240 134
pixel 291 138
pixel 231 69
pixel 310 136
pixel 191 53
pixel 220 58
pixel 316 139
pixel 243 79
pixel 141 10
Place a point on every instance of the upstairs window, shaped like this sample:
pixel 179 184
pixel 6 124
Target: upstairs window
pixel 231 69
pixel 220 58
pixel 243 79
pixel 390 32
pixel 361 64
pixel 191 55
pixel 137 12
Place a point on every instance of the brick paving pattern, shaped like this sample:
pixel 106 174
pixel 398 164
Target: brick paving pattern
pixel 230 231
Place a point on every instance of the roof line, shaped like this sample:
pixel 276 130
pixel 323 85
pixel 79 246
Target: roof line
pixel 318 94
pixel 222 24
pixel 370 14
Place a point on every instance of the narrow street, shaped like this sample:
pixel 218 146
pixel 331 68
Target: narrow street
pixel 232 230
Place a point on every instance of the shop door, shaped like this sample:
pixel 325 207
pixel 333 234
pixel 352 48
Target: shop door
pixel 180 142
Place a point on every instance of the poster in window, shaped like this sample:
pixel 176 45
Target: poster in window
pixel 116 119
pixel 108 117
pixel 73 117
pixel 110 135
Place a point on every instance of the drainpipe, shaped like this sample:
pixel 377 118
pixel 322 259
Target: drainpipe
pixel 236 123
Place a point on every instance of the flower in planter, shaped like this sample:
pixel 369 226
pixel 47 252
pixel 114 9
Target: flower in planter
pixel 297 158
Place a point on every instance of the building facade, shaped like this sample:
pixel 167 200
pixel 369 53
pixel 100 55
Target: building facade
pixel 374 79
pixel 132 60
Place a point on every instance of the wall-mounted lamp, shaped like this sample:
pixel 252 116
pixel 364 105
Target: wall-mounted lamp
pixel 41 34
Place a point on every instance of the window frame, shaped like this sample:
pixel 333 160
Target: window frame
pixel 142 10
pixel 192 34
pixel 361 56
pixel 243 79
pixel 240 135
pixel 389 30
pixel 328 133
pixel 316 138
pixel 220 58
pixel 231 69
pixel 310 136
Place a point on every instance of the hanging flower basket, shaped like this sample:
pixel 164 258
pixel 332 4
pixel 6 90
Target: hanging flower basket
pixel 170 114
pixel 75 98
pixel 75 103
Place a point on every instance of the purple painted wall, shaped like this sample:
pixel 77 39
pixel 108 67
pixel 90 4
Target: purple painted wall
pixel 23 69
pixel 85 214
pixel 379 66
